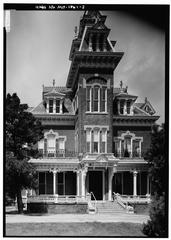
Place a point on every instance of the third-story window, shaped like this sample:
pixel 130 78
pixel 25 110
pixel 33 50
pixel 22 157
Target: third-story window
pixel 128 107
pixel 57 106
pixel 88 98
pixel 50 105
pixel 121 107
pixel 96 99
pixel 103 99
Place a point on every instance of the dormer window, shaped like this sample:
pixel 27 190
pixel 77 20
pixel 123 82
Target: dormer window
pixel 50 105
pixel 128 107
pixel 121 107
pixel 57 106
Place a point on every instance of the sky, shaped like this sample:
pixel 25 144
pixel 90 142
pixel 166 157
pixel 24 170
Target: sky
pixel 38 47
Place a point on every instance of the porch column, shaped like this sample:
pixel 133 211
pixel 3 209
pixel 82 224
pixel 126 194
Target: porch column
pixel 135 183
pixel 110 177
pixel 83 178
pixel 54 181
pixel 78 183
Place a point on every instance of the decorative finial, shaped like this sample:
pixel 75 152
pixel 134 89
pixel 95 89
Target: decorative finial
pixel 126 89
pixel 121 84
pixel 53 82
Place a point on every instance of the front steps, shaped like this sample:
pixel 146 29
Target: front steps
pixel 109 207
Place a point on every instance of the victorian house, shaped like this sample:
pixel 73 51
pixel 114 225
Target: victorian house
pixel 95 133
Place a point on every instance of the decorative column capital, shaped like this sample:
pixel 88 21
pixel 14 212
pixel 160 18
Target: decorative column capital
pixel 135 172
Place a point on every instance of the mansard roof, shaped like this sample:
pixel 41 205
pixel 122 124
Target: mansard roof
pixel 40 108
pixel 59 89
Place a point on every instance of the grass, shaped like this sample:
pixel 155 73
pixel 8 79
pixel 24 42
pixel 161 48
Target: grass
pixel 74 229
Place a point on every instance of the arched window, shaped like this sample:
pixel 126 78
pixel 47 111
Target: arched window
pixel 96 95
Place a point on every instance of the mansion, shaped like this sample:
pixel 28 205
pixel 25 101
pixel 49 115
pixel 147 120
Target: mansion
pixel 95 133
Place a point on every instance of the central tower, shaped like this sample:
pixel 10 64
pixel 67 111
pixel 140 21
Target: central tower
pixel 93 61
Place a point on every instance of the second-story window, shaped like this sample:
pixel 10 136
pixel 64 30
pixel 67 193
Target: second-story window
pixel 57 106
pixel 104 142
pixel 50 105
pixel 96 141
pixel 88 140
pixel 96 99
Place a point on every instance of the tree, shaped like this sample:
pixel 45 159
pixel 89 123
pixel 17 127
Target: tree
pixel 156 156
pixel 22 129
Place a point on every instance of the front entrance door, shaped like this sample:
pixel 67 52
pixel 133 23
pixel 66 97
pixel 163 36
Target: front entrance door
pixel 96 184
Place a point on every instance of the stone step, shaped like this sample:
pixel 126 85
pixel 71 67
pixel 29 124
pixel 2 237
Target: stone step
pixel 109 207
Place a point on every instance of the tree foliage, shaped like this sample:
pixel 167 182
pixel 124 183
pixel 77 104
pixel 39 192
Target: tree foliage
pixel 156 156
pixel 22 133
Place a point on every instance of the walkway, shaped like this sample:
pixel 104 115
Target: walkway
pixel 69 218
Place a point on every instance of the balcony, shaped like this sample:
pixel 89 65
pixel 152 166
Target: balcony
pixel 127 154
pixel 57 154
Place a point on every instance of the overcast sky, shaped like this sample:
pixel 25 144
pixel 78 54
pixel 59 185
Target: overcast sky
pixel 39 43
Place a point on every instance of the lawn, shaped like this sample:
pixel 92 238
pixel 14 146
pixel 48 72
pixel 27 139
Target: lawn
pixel 74 229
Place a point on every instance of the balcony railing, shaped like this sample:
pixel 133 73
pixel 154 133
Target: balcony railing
pixel 127 154
pixel 59 153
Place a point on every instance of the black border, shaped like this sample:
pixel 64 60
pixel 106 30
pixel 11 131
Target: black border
pixel 157 14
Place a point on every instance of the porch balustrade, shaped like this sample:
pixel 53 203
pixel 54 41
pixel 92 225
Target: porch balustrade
pixel 56 199
pixel 60 153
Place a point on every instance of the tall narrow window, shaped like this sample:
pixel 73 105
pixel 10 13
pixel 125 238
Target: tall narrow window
pixel 96 141
pixel 88 140
pixel 96 99
pixel 57 106
pixel 50 105
pixel 61 183
pixel 121 107
pixel 128 107
pixel 88 98
pixel 42 182
pixel 104 141
pixel 103 99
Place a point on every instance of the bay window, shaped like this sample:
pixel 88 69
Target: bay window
pixel 128 145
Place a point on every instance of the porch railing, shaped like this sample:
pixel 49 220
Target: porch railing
pixel 127 200
pixel 128 154
pixel 59 153
pixel 56 199
pixel 92 202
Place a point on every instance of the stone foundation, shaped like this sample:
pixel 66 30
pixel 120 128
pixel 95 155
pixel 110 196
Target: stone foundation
pixel 57 208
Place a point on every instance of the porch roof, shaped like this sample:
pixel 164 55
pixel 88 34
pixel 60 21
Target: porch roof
pixel 73 161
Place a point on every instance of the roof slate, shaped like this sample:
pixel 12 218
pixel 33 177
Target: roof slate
pixel 60 89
